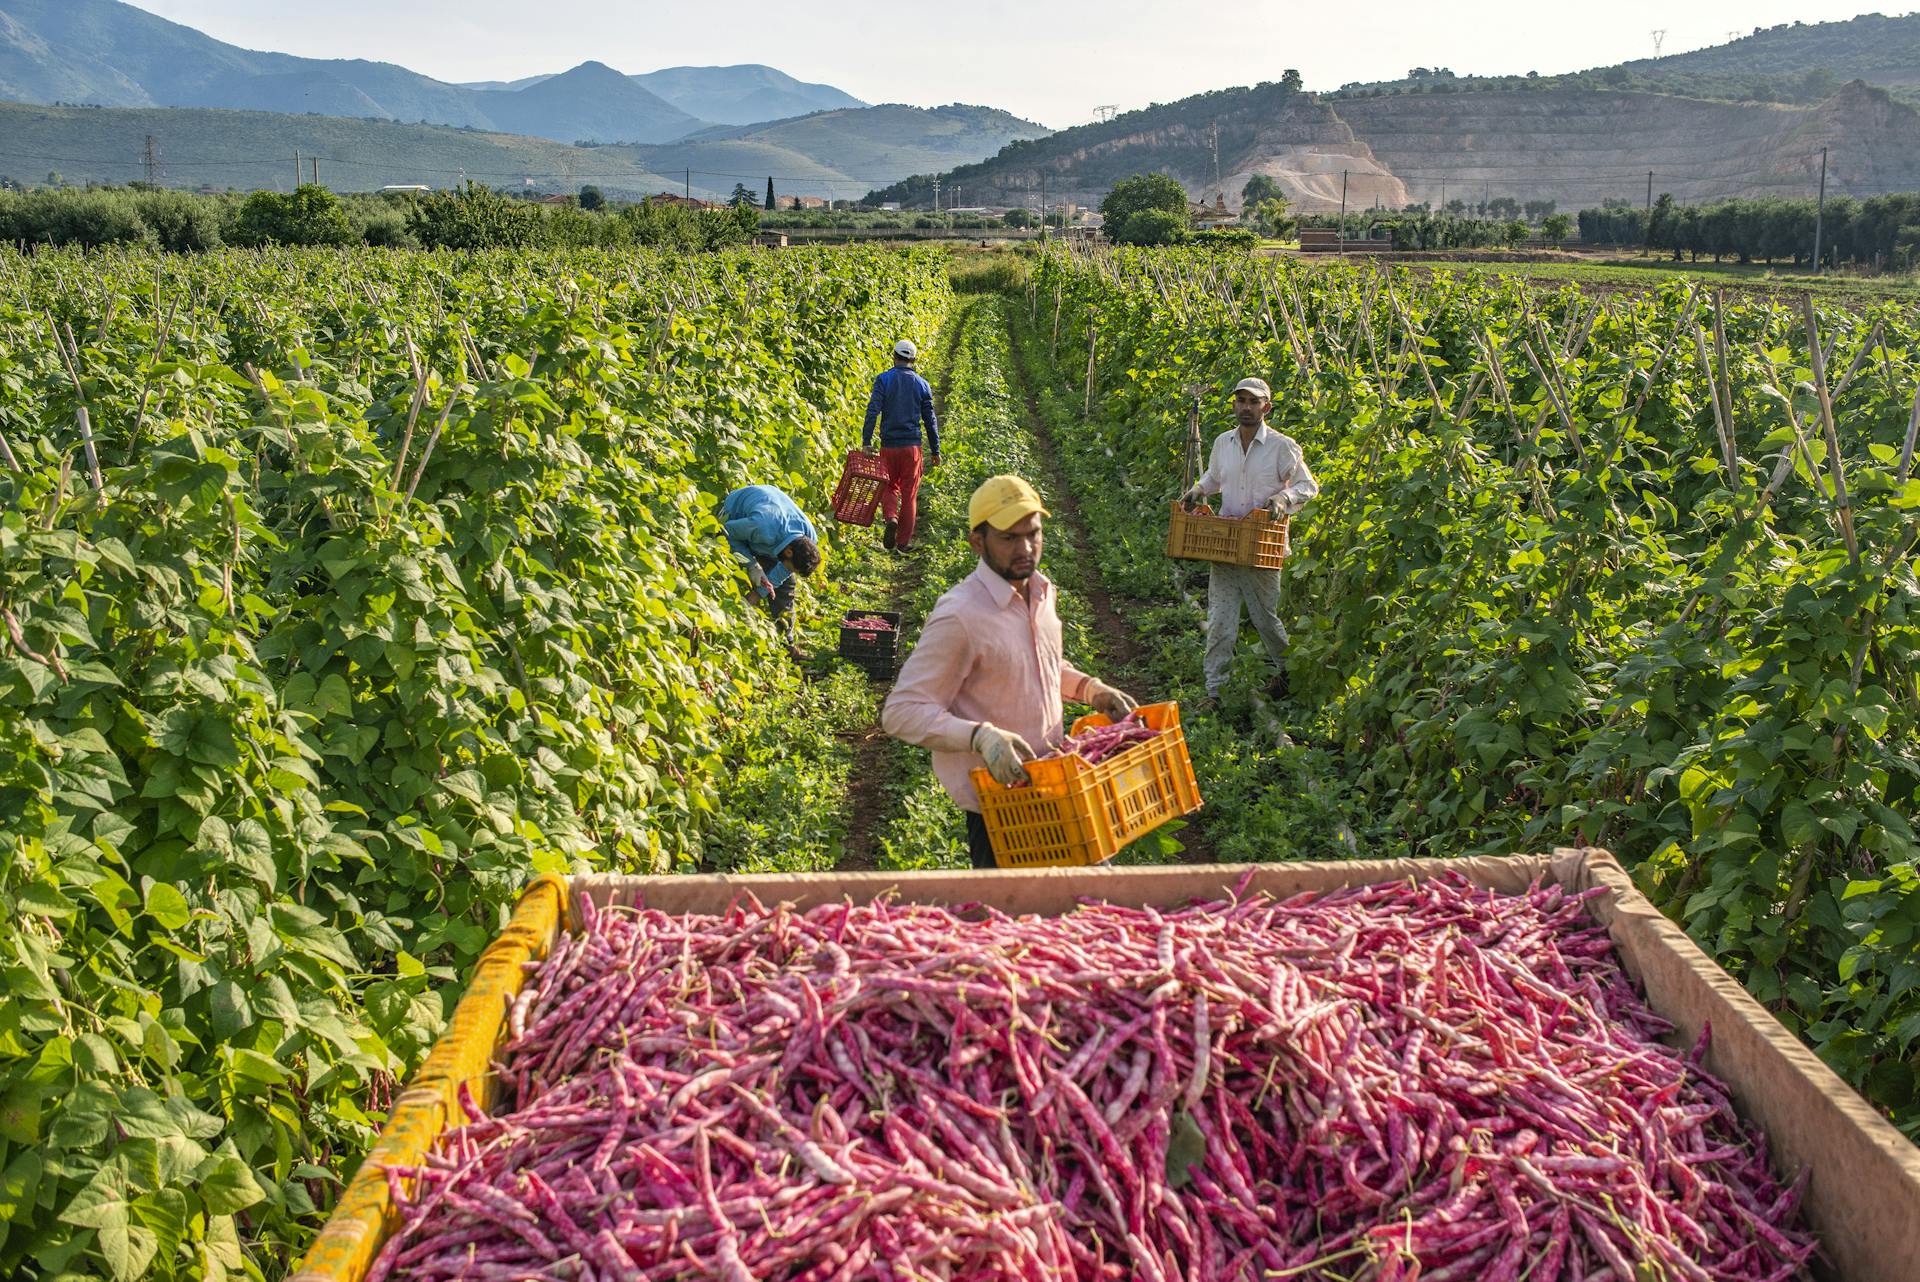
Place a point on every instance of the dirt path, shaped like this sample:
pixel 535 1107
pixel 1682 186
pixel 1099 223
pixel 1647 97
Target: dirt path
pixel 1117 637
pixel 867 798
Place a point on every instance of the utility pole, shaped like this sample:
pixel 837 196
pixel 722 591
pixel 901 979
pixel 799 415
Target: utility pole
pixel 1647 247
pixel 1659 38
pixel 151 160
pixel 1213 136
pixel 1341 238
pixel 689 187
pixel 296 169
pixel 316 171
pixel 1043 204
pixel 1819 215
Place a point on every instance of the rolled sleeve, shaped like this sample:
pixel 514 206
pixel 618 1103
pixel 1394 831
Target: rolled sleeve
pixel 1297 484
pixel 1074 683
pixel 917 711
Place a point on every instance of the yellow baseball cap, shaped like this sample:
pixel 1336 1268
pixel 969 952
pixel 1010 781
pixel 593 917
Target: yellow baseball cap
pixel 1003 502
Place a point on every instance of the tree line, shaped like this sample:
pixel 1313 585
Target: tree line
pixel 1879 232
pixel 473 217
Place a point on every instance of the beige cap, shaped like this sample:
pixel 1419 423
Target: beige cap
pixel 1003 502
pixel 1258 386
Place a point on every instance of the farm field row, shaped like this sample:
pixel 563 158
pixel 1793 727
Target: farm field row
pixel 1624 570
pixel 343 593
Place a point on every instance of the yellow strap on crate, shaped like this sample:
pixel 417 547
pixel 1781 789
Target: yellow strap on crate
pixel 366 1215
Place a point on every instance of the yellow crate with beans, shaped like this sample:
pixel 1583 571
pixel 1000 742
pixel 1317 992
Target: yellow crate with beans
pixel 1074 812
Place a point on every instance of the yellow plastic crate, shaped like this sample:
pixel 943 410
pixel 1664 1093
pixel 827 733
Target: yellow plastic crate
pixel 1255 540
pixel 1073 814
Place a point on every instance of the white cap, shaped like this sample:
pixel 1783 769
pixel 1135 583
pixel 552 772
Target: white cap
pixel 905 349
pixel 1258 386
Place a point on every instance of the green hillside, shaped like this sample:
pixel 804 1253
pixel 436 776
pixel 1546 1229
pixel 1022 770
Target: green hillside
pixel 1873 47
pixel 1800 63
pixel 840 153
pixel 249 149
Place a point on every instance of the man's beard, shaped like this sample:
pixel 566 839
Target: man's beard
pixel 1007 571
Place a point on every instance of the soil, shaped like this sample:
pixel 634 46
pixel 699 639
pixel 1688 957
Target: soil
pixel 1117 636
pixel 867 782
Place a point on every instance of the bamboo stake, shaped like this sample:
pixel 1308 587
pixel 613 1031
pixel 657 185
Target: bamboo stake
pixel 70 357
pixel 1836 464
pixel 1906 451
pixel 146 383
pixel 1553 398
pixel 413 414
pixel 1719 418
pixel 426 451
pixel 1874 343
pixel 1093 331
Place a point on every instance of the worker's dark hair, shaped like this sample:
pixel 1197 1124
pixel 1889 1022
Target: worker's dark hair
pixel 806 555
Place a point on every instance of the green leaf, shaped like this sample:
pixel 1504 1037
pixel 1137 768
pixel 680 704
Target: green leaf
pixel 103 1201
pixel 20 1115
pixel 230 1010
pixel 167 906
pixel 251 852
pixel 1799 826
pixel 18 1184
pixel 1186 1149
pixel 226 1185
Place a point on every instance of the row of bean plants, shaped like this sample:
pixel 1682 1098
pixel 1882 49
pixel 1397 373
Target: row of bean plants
pixel 341 592
pixel 985 434
pixel 1633 571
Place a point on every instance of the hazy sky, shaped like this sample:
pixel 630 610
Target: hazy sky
pixel 1049 62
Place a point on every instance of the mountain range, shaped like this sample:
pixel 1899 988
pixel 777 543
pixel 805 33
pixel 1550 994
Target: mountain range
pixel 108 54
pixel 1749 118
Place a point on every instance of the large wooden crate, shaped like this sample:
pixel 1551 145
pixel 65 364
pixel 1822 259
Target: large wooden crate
pixel 1863 1200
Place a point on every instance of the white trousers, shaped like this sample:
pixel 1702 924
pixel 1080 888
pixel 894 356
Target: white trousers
pixel 1228 588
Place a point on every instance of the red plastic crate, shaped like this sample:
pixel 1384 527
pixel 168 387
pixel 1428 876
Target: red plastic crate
pixel 858 493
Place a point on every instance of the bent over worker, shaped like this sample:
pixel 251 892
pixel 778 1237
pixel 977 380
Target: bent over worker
pixel 774 541
pixel 1252 468
pixel 902 403
pixel 984 685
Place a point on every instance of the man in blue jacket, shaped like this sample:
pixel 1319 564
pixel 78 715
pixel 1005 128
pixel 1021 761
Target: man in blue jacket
pixel 775 541
pixel 902 403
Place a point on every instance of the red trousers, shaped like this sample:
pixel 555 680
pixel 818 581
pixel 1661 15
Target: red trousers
pixel 901 492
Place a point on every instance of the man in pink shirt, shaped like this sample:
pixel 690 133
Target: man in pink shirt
pixel 984 684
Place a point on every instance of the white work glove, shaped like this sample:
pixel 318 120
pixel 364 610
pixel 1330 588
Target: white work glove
pixel 1113 704
pixel 758 577
pixel 1005 753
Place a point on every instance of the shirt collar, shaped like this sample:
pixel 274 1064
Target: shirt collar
pixel 1001 592
pixel 1261 437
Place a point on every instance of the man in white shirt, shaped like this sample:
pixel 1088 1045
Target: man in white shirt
pixel 1252 467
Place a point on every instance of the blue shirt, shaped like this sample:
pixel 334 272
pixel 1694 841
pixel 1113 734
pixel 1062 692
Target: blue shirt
pixel 902 401
pixel 761 522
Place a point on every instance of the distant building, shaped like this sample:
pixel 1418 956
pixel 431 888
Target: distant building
pixel 404 187
pixel 1205 217
pixel 675 198
pixel 890 206
pixel 769 240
